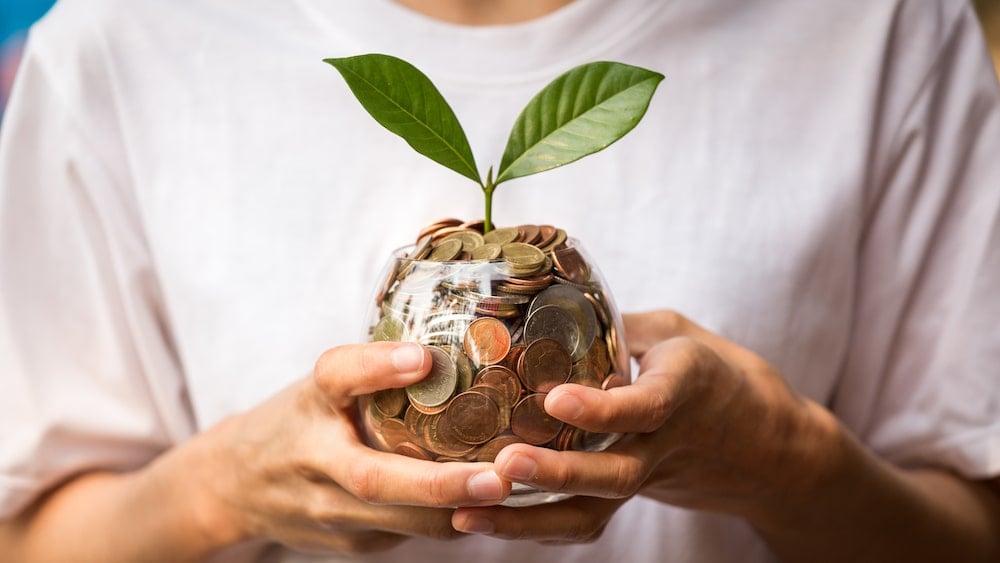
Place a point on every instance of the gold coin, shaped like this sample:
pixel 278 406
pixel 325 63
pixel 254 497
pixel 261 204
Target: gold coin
pixel 389 402
pixel 501 236
pixel 446 251
pixel 523 257
pixel 488 251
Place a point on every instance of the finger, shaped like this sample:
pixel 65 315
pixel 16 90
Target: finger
pixel 386 478
pixel 670 374
pixel 646 330
pixel 346 372
pixel 576 520
pixel 618 472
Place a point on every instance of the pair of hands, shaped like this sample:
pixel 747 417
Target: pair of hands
pixel 707 424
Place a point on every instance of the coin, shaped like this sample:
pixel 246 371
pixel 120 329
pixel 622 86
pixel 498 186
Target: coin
pixel 439 384
pixel 470 239
pixel 503 378
pixel 486 341
pixel 445 251
pixel 531 423
pixel 544 364
pixel 393 432
pixel 573 302
pixel 473 417
pixel 388 329
pixel 551 321
pixel 523 258
pixel 487 251
pixel 490 449
pixel 501 236
pixel 571 264
pixel 410 449
pixel 389 402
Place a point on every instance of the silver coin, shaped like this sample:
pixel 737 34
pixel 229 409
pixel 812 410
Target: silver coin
pixel 552 321
pixel 439 385
pixel 573 302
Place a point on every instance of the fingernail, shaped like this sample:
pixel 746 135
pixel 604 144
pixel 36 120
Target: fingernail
pixel 521 468
pixel 408 358
pixel 485 486
pixel 477 525
pixel 566 407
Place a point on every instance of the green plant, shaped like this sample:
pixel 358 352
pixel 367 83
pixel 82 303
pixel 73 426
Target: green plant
pixel 579 113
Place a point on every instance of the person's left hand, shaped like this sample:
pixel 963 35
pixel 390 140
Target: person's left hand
pixel 708 425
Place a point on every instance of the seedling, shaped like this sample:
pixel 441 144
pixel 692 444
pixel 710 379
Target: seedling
pixel 579 113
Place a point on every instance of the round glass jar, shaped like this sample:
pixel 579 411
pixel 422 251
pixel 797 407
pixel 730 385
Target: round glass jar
pixel 506 317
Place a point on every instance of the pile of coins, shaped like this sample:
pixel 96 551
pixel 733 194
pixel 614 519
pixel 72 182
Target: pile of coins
pixel 507 316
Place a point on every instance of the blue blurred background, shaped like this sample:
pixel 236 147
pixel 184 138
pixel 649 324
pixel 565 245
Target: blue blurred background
pixel 15 18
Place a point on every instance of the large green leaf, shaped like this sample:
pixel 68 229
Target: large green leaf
pixel 577 114
pixel 406 102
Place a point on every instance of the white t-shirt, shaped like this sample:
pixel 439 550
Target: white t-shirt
pixel 193 207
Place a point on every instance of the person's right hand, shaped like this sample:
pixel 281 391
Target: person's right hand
pixel 295 470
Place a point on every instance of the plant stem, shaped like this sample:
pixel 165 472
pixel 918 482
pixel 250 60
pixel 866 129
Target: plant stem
pixel 488 191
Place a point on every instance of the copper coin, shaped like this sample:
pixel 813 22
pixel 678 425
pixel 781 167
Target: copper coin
pixel 529 234
pixel 585 373
pixel 437 225
pixel 557 242
pixel 490 449
pixel 546 234
pixel 544 364
pixel 409 449
pixel 487 341
pixel 531 423
pixel 510 361
pixel 393 433
pixel 441 438
pixel 503 378
pixel 474 417
pixel 570 263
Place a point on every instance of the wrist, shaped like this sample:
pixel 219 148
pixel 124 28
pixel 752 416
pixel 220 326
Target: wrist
pixel 196 481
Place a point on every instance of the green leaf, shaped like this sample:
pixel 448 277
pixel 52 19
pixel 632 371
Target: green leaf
pixel 577 114
pixel 403 100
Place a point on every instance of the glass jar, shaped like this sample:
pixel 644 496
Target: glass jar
pixel 506 317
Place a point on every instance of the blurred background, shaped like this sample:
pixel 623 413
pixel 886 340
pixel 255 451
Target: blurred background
pixel 16 16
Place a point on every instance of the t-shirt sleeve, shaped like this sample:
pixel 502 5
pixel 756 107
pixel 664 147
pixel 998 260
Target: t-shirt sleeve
pixel 88 377
pixel 921 384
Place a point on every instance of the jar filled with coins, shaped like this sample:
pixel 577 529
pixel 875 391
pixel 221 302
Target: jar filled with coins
pixel 507 316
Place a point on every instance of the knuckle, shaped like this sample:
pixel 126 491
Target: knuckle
pixel 659 407
pixel 436 488
pixel 363 481
pixel 323 368
pixel 669 321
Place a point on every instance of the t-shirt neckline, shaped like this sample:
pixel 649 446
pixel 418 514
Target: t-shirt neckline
pixel 544 47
